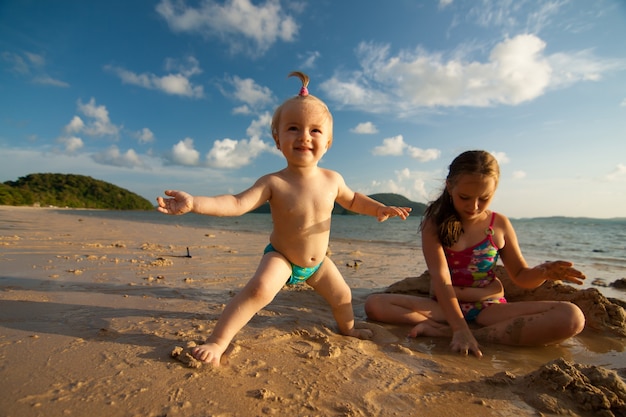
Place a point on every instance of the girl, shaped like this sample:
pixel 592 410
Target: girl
pixel 461 241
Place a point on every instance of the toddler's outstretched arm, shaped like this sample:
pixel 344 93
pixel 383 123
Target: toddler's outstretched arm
pixel 180 203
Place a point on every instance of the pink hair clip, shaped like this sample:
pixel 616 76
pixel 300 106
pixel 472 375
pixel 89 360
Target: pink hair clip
pixel 304 91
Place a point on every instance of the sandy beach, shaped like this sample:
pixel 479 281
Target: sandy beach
pixel 97 316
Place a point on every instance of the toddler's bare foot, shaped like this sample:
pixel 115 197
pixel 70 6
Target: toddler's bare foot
pixel 430 328
pixel 208 353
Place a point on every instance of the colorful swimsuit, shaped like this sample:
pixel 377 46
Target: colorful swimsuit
pixel 299 274
pixel 474 267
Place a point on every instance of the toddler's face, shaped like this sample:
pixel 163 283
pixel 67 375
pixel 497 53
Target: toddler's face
pixel 304 131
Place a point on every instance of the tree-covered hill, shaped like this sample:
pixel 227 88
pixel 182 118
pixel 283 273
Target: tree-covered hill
pixel 388 199
pixel 69 190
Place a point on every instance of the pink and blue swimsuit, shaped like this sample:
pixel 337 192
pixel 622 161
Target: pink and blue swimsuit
pixel 474 267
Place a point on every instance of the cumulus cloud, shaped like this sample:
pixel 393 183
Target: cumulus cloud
pixel 501 157
pixel 113 156
pixel 248 27
pixel 145 135
pixel 366 128
pixel 71 143
pixel 260 126
pixel 75 125
pixel 183 153
pixel 618 173
pixel 515 71
pixel 229 153
pixel 395 146
pixel 95 122
pixel 247 91
pixel 98 123
pixel 177 82
pixel 410 184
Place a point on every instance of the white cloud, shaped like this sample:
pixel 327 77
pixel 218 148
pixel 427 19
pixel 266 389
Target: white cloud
pixel 113 156
pixel 229 153
pixel 395 146
pixel 518 175
pixel 31 65
pixel 99 123
pixel 48 80
pixel 516 70
pixel 623 103
pixel 175 83
pixel 249 92
pixel 71 143
pixel 309 59
pixel 366 128
pixel 501 157
pixel 145 136
pixel 240 23
pixel 618 173
pixel 183 153
pixel 410 184
pixel 260 126
pixel 75 125
pixel 423 155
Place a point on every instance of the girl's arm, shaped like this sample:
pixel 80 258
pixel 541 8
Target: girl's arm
pixel 221 205
pixel 462 338
pixel 518 269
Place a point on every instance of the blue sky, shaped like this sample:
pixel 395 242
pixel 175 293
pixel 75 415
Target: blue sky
pixel 151 95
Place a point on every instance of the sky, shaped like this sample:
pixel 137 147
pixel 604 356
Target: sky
pixel 178 94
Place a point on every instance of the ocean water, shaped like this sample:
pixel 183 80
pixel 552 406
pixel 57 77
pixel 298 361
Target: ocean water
pixel 596 246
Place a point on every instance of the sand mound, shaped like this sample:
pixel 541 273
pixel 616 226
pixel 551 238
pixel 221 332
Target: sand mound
pixel 561 387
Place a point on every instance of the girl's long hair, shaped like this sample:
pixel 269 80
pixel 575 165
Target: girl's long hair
pixel 441 212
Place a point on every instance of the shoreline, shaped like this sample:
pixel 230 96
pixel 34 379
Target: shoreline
pixel 92 308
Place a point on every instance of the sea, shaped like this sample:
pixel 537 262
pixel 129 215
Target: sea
pixel 597 247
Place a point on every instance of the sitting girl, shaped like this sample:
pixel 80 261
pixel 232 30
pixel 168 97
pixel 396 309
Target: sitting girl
pixel 462 241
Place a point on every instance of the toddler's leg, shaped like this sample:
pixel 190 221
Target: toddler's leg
pixel 269 278
pixel 329 283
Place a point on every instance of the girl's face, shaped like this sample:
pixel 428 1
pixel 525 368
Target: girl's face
pixel 304 133
pixel 471 195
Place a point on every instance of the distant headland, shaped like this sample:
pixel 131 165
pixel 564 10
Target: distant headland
pixel 81 191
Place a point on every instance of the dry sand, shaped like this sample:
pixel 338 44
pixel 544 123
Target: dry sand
pixel 97 315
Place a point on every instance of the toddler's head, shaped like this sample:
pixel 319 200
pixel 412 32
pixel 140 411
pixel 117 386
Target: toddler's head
pixel 302 98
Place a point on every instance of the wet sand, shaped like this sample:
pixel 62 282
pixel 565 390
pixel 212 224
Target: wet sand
pixel 97 316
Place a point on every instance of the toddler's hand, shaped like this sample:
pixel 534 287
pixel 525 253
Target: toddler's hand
pixel 391 211
pixel 180 203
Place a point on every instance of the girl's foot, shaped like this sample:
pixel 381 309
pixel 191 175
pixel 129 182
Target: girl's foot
pixel 431 329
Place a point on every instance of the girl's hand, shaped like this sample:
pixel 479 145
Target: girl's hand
pixel 561 271
pixel 463 341
pixel 180 203
pixel 391 211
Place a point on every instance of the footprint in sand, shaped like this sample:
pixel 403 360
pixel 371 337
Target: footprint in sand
pixel 314 346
